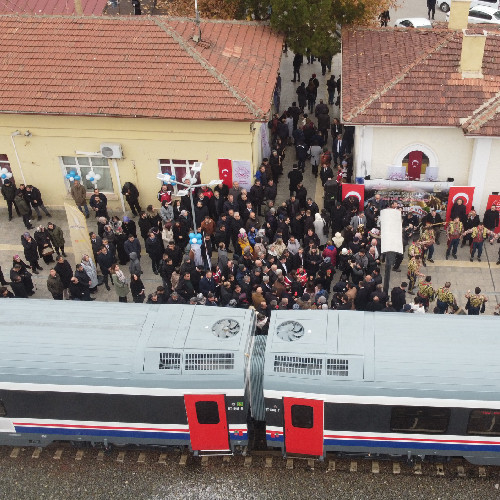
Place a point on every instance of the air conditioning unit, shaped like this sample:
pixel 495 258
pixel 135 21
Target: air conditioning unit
pixel 109 150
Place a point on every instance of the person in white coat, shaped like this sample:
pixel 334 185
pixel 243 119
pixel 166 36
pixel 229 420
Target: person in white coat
pixel 91 270
pixel 320 228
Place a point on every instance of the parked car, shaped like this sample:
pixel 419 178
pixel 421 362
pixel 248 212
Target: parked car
pixel 444 5
pixel 413 22
pixel 480 14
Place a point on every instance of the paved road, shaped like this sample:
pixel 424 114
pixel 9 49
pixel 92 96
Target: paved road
pixel 414 8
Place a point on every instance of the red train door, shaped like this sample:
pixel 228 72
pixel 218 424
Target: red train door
pixel 303 426
pixel 207 422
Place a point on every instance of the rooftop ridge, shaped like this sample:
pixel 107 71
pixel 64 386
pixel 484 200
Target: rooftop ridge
pixel 397 79
pixel 254 109
pixel 482 115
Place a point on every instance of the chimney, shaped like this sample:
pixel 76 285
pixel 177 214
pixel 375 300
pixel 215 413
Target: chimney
pixel 471 58
pixel 459 14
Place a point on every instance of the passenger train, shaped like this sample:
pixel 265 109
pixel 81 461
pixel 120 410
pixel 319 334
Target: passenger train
pixel 343 382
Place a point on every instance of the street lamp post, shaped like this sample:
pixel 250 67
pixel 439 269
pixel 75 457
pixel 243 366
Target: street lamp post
pixel 189 187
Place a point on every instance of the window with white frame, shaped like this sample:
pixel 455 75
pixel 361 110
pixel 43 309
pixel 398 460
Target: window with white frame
pixel 83 165
pixel 5 163
pixel 177 168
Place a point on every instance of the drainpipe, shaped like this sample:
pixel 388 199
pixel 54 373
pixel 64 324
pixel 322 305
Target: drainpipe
pixel 17 156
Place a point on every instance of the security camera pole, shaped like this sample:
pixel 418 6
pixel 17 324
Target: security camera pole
pixel 391 240
pixel 188 187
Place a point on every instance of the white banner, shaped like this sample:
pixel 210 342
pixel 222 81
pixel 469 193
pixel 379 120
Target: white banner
pixel 79 233
pixel 391 230
pixel 264 142
pixel 242 173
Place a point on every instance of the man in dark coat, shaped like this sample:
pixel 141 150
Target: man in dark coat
pixel 131 194
pixel 83 280
pixel 325 173
pixel 154 249
pixel 34 198
pixel 31 252
pixel 65 272
pixel 298 59
pixel 105 259
pixel 9 195
pixel 490 219
pixel 295 177
pixel 398 296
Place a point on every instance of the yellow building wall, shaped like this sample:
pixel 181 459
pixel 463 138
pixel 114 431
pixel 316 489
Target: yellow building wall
pixel 452 149
pixel 143 143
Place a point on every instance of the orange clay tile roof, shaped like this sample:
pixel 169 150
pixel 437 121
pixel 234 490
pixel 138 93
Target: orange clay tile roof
pixel 137 67
pixel 411 77
pixel 90 7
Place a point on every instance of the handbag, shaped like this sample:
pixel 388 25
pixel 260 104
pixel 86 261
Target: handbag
pixel 47 251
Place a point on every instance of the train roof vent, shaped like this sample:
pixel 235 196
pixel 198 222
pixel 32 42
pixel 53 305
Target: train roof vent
pixel 300 365
pixel 290 331
pixel 337 367
pixel 170 361
pixel 226 328
pixel 209 361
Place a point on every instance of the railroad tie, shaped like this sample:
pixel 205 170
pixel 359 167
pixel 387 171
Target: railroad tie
pixel 100 455
pixel 331 466
pixel 184 459
pixel 289 463
pixel 226 459
pixel 163 458
pixel 58 454
pixel 439 470
pixel 142 458
pixel 482 471
pixel 460 471
pixel 121 456
pixel 248 461
pixel 269 462
pixel 353 467
pixel 396 468
pixel 204 460
pixel 36 452
pixel 15 452
pixel 79 455
pixel 375 467
pixel 417 470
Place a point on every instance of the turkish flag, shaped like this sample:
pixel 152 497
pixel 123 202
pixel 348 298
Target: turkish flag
pixel 356 190
pixel 494 200
pixel 226 171
pixel 466 193
pixel 414 165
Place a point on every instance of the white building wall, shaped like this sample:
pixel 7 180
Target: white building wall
pixel 492 177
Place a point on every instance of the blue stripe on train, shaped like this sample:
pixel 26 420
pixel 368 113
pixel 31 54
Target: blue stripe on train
pixel 410 444
pixel 116 433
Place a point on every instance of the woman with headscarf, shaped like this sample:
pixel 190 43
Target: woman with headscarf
pixel 321 229
pixel 120 283
pixel 137 289
pixel 91 270
pixel 45 248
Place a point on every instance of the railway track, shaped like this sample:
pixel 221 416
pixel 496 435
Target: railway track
pixel 135 456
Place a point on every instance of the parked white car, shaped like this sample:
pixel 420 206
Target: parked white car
pixel 479 14
pixel 413 22
pixel 444 5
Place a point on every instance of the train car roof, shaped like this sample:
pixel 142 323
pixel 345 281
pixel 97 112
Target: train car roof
pixel 136 345
pixel 377 355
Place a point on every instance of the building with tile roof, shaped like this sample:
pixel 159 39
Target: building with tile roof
pixel 151 85
pixel 409 90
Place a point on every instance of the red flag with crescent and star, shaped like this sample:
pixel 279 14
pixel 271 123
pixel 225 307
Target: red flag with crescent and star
pixel 356 190
pixel 494 200
pixel 466 193
pixel 414 165
pixel 226 172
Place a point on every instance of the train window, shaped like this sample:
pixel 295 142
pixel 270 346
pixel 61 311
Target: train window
pixel 302 416
pixel 420 419
pixel 3 411
pixel 484 422
pixel 207 412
